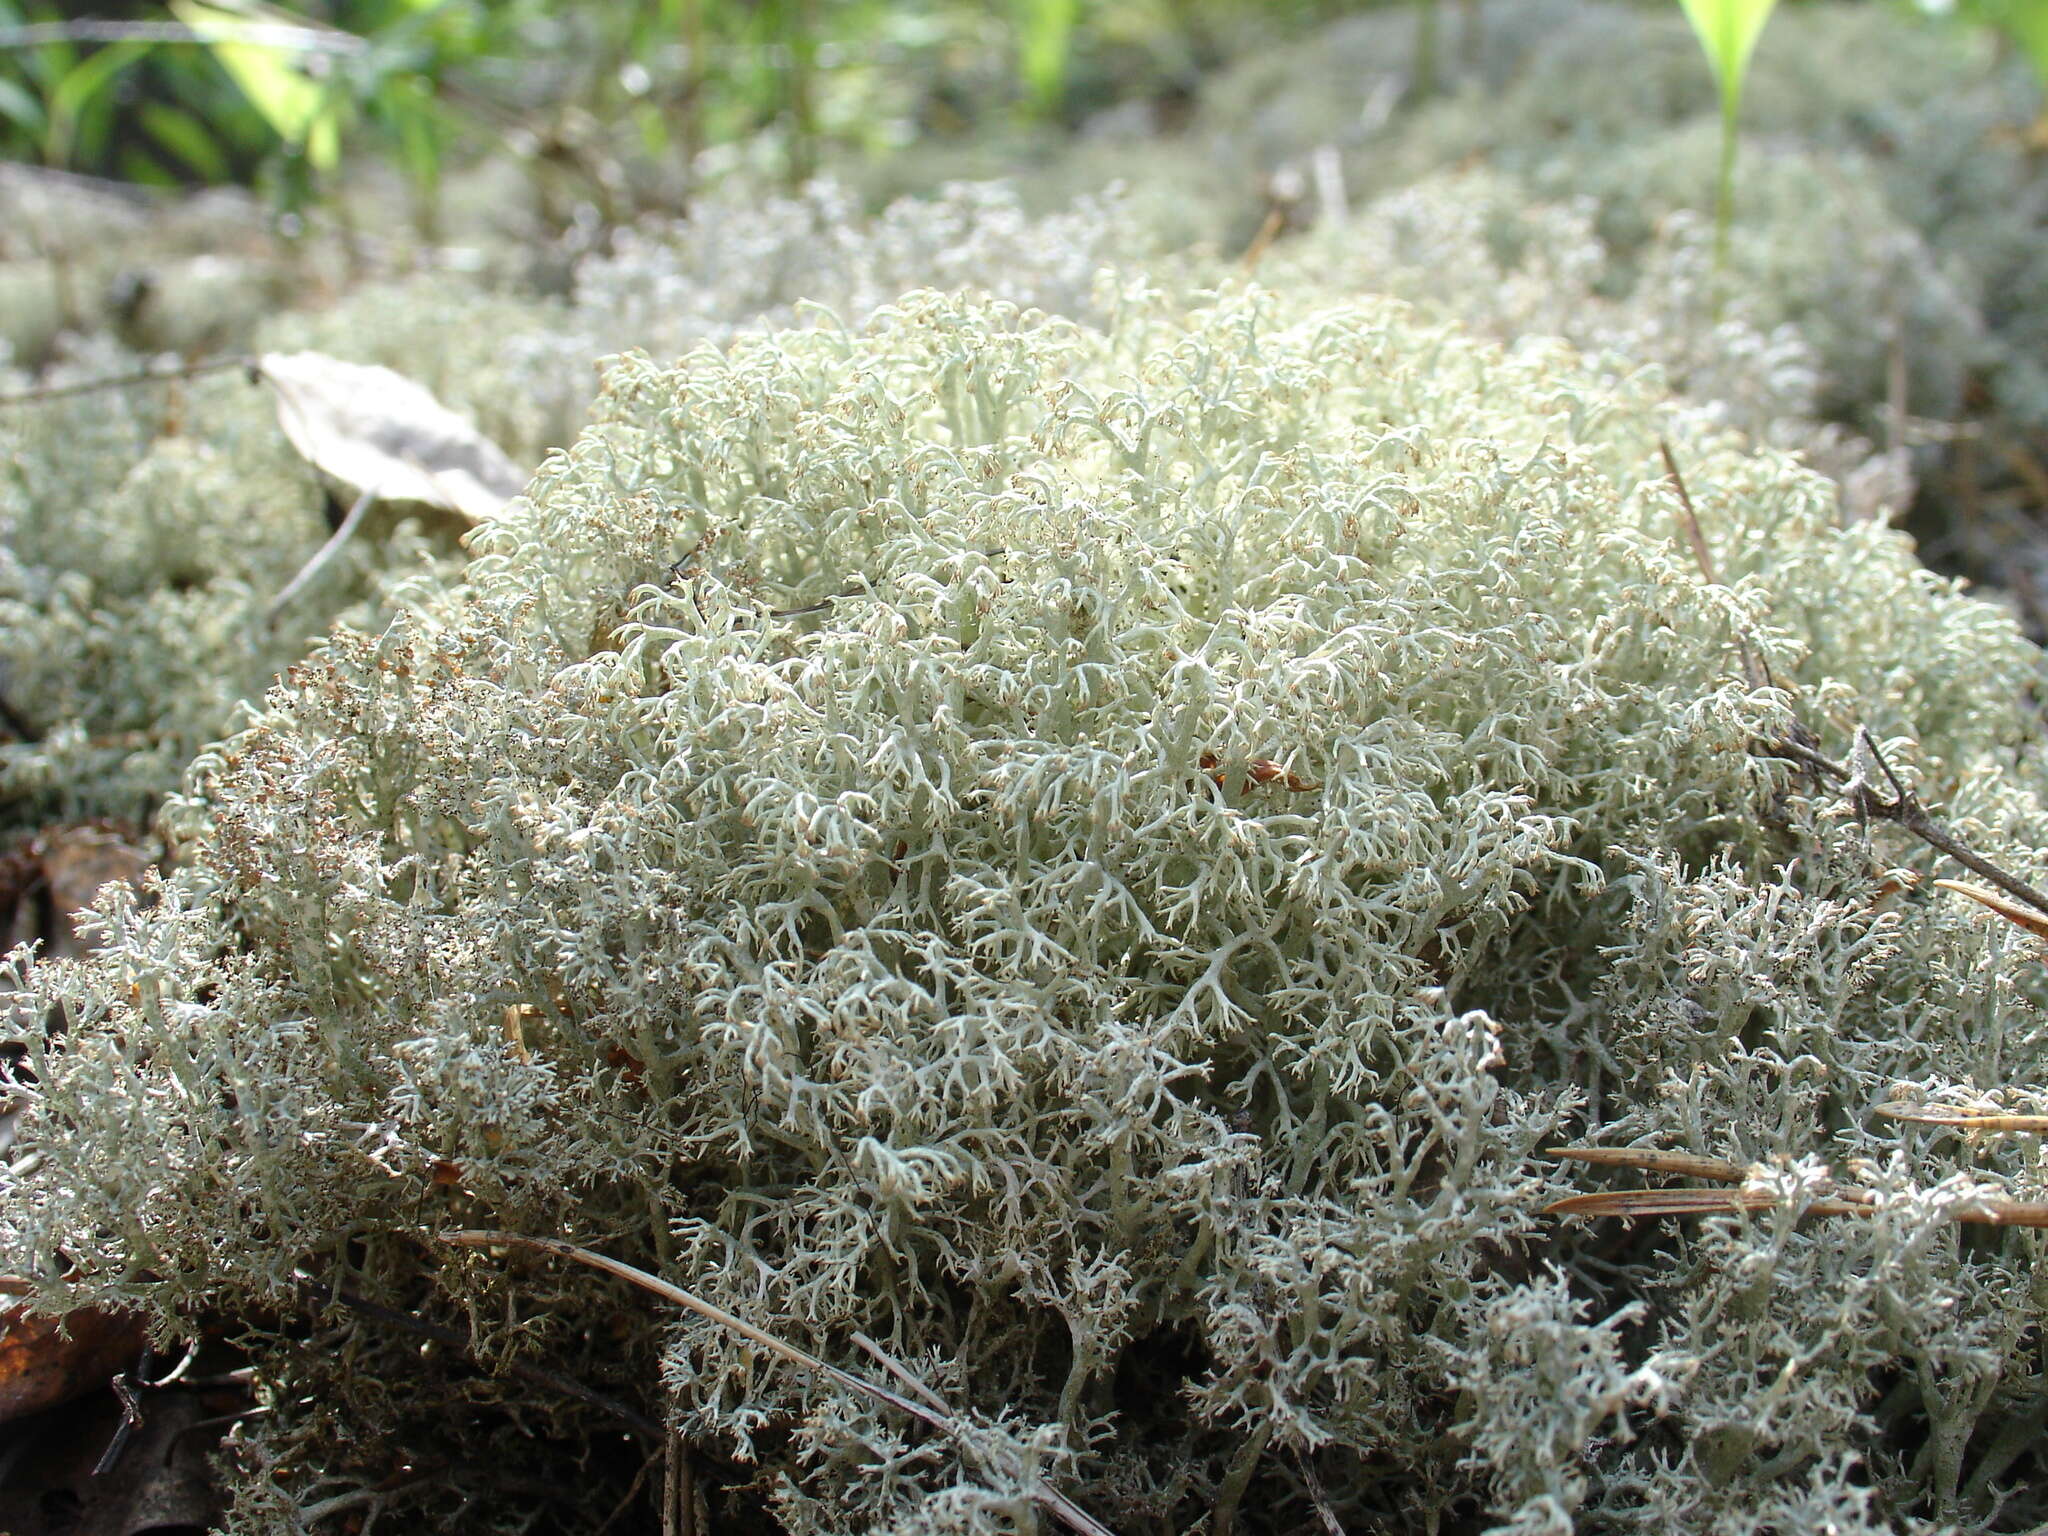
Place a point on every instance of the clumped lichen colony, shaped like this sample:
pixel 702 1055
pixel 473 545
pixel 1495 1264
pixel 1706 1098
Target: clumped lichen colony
pixel 1090 836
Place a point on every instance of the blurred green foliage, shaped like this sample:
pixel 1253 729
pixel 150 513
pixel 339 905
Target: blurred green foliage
pixel 197 92
pixel 1728 30
pixel 240 91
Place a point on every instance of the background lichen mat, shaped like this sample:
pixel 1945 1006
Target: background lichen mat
pixel 1088 860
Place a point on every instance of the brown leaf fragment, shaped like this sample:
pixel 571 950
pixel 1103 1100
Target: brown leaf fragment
pixel 1258 771
pixel 79 861
pixel 2012 911
pixel 45 1360
pixel 515 1021
pixel 21 877
pixel 1651 1160
pixel 379 432
pixel 1263 770
pixel 48 879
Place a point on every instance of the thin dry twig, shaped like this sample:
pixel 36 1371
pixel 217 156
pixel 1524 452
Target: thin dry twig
pixel 632 1492
pixel 123 380
pixel 322 557
pixel 1840 1200
pixel 131 1420
pixel 1753 669
pixel 1318 1495
pixel 1268 232
pixel 1903 809
pixel 1050 1499
pixel 1687 516
pixel 675 1504
pixel 1800 745
pixel 900 1371
pixel 1963 1117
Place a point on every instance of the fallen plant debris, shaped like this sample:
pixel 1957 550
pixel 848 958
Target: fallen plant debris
pixel 1903 809
pixel 1963 1117
pixel 1802 746
pixel 48 879
pixel 45 1360
pixel 387 437
pixel 981 1443
pixel 1836 1199
pixel 2025 917
pixel 57 1477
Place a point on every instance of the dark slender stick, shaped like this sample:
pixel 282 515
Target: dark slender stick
pixel 15 725
pixel 1905 809
pixel 632 1492
pixel 1902 810
pixel 131 1420
pixel 1808 757
pixel 1041 1493
pixel 1690 518
pixel 123 380
pixel 1801 746
pixel 1318 1495
pixel 1754 668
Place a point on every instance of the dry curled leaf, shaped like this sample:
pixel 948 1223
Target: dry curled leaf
pixel 45 1361
pixel 379 432
pixel 1259 771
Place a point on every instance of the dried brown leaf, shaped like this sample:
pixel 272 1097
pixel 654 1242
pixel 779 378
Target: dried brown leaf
pixel 45 1361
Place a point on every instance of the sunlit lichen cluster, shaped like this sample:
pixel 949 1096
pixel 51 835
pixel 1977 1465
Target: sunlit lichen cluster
pixel 1010 794
pixel 1096 856
pixel 146 534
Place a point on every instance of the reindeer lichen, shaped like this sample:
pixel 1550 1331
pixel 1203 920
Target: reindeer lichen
pixel 1096 856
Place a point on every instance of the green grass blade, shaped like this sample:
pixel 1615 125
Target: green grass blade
pixel 1045 40
pixel 1728 30
pixel 297 108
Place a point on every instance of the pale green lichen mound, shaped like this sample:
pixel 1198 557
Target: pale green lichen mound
pixel 1096 858
pixel 145 536
pixel 147 532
